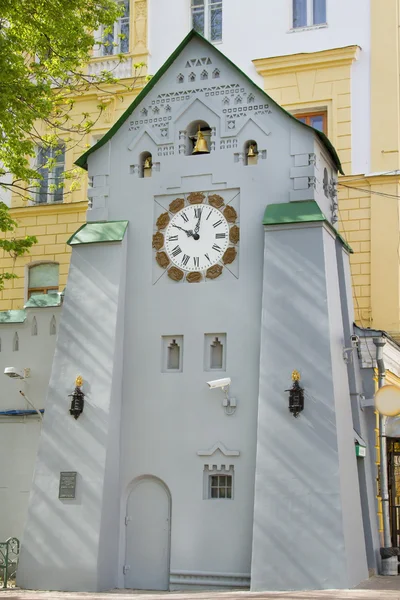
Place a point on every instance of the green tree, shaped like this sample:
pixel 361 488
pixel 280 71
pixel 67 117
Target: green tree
pixel 45 46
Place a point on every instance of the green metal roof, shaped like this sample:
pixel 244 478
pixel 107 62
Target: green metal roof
pixel 99 232
pixel 12 316
pixel 306 211
pixel 82 160
pixel 44 301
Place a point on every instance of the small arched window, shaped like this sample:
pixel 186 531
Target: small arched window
pixel 43 279
pixel 199 138
pixel 250 153
pixel 145 164
pixel 326 183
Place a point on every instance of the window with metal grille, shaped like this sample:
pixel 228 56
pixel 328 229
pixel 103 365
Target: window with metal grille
pixel 220 486
pixel 307 13
pixel 207 18
pixel 51 166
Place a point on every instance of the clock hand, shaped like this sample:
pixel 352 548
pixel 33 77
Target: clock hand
pixel 196 229
pixel 188 232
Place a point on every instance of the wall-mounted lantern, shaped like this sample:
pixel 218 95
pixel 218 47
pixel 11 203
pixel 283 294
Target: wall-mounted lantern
pixel 77 401
pixel 296 395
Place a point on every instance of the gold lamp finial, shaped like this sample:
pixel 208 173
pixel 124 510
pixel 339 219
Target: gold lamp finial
pixel 295 376
pixel 201 144
pixel 79 381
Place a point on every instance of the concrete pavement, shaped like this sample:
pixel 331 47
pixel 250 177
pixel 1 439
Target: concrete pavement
pixel 376 588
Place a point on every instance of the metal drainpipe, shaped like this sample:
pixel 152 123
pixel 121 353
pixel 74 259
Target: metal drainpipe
pixel 387 542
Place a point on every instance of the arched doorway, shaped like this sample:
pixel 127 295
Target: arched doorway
pixel 148 533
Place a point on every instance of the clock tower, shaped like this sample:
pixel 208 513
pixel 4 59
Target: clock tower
pixel 209 270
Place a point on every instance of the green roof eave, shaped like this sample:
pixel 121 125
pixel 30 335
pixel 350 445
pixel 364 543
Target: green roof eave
pixel 98 232
pixel 82 160
pixel 306 211
pixel 44 301
pixel 12 316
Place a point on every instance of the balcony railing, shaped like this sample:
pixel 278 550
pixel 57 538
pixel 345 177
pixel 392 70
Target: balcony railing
pixel 120 70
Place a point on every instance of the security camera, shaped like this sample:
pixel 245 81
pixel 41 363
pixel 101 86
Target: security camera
pixel 13 373
pixel 355 341
pixel 219 383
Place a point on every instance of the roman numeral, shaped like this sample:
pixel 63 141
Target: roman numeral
pixel 185 217
pixel 207 257
pixel 217 223
pixel 173 238
pixel 220 236
pixel 196 261
pixel 216 247
pixel 185 260
pixel 209 215
pixel 176 251
pixel 197 212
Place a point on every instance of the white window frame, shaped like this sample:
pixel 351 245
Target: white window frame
pixel 217 470
pixel 207 7
pixel 60 162
pixel 310 17
pixel 100 49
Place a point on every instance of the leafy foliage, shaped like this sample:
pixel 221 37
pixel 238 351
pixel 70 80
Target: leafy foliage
pixel 14 247
pixel 44 49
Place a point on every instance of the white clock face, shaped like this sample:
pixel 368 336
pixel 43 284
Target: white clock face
pixel 197 237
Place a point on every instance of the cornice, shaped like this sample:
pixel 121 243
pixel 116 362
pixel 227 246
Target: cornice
pixel 48 209
pixel 335 57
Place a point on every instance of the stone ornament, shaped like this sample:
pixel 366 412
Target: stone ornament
pixel 162 221
pixel 230 214
pixel 162 259
pixel 234 234
pixel 158 240
pixel 196 198
pixel 175 274
pixel 229 256
pixel 215 200
pixel 214 272
pixel 194 277
pixel 176 205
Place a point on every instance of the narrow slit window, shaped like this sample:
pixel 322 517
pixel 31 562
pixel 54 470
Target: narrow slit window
pixel 173 356
pixel 217 352
pixel 16 343
pixel 53 326
pixel 34 326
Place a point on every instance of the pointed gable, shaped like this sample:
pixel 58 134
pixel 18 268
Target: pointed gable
pixel 195 74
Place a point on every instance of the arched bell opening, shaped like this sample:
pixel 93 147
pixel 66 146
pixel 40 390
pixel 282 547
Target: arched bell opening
pixel 250 153
pixel 199 138
pixel 145 164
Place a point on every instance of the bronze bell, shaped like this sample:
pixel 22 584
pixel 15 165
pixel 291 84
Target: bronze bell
pixel 201 144
pixel 147 167
pixel 251 151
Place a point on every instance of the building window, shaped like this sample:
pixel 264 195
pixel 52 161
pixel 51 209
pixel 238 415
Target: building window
pixel 218 482
pixel 307 13
pixel 115 39
pixel 172 354
pixel 43 279
pixel 214 351
pixel 51 166
pixel 314 119
pixel 207 18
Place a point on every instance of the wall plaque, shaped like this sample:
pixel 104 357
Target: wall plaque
pixel 67 484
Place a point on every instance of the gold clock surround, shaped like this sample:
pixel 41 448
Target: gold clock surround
pixel 176 205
